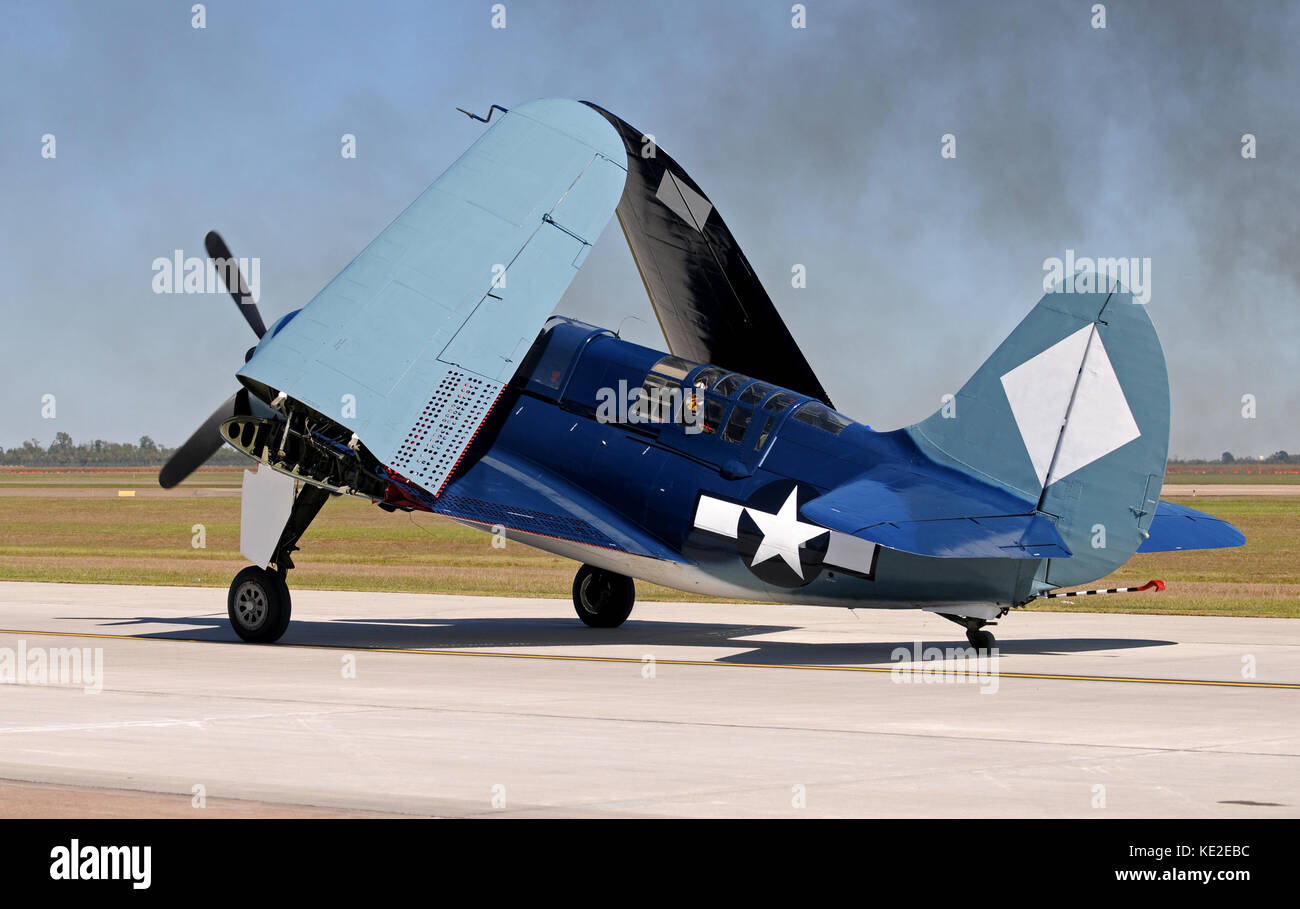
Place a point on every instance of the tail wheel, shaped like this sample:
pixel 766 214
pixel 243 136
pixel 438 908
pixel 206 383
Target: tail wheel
pixel 982 641
pixel 602 598
pixel 258 605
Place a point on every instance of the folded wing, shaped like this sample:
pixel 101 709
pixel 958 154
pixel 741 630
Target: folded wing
pixel 710 304
pixel 411 344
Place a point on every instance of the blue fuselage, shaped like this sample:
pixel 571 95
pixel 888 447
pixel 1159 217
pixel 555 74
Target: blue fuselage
pixel 693 505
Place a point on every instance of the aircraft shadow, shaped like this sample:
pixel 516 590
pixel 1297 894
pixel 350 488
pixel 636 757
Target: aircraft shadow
pixel 456 633
pixel 795 653
pixel 474 632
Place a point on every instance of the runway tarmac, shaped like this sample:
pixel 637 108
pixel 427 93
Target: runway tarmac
pixel 465 706
pixel 1233 490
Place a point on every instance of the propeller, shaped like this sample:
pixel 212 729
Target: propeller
pixel 204 443
pixel 228 265
pixel 206 440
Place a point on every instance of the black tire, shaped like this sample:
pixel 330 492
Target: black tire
pixel 602 598
pixel 982 641
pixel 259 605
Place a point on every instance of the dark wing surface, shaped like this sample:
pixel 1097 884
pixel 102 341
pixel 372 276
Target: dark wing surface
pixel 710 304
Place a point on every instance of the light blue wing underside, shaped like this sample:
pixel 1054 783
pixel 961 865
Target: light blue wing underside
pixel 411 343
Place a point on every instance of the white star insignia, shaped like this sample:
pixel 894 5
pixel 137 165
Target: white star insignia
pixel 783 533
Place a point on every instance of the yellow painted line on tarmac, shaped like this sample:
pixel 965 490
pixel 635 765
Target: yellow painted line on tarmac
pixel 932 670
pixel 125 493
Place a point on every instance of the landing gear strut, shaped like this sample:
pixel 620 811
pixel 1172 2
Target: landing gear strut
pixel 602 598
pixel 982 641
pixel 258 604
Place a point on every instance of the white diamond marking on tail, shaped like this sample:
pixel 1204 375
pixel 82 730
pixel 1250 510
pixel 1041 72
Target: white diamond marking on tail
pixel 685 202
pixel 1100 420
pixel 1071 383
pixel 1039 393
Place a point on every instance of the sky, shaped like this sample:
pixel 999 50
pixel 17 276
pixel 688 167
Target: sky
pixel 820 146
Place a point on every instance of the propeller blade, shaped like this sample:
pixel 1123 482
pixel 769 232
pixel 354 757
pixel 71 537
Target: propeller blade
pixel 205 442
pixel 228 268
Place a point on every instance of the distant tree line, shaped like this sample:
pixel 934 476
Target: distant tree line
pixel 1277 457
pixel 63 452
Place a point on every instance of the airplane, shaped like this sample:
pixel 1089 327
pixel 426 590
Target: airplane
pixel 430 375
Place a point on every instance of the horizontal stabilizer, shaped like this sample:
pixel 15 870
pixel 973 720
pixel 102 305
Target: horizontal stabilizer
pixel 1176 527
pixel 932 513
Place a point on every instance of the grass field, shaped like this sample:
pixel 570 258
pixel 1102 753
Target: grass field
pixel 1261 578
pixel 354 546
pixel 115 478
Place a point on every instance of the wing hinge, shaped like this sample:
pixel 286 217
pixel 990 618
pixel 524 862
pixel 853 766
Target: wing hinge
pixel 547 219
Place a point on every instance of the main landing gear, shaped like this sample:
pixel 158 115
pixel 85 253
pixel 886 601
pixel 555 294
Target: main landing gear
pixel 602 598
pixel 983 641
pixel 258 604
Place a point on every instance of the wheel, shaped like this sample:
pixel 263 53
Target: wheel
pixel 601 598
pixel 259 605
pixel 982 641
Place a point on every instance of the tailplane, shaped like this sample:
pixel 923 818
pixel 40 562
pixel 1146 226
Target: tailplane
pixel 1071 412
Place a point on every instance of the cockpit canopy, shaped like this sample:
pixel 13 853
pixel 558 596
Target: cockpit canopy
pixel 732 401
pixel 717 413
